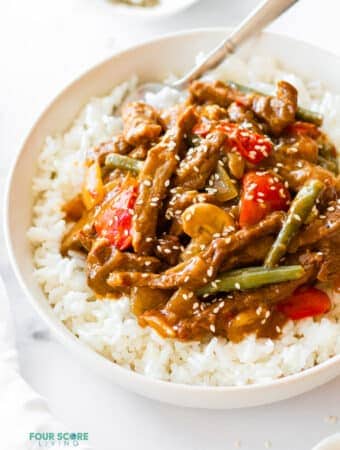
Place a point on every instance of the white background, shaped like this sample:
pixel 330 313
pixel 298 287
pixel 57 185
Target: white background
pixel 44 44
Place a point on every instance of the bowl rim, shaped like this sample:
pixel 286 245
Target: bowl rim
pixel 63 335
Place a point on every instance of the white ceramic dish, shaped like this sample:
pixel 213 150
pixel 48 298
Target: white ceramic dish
pixel 299 57
pixel 165 8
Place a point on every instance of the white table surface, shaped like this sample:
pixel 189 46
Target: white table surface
pixel 44 44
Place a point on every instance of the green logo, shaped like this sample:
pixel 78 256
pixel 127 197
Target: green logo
pixel 57 440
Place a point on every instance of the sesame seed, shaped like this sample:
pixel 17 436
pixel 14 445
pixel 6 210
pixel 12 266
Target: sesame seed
pixel 259 311
pixel 331 209
pixel 297 217
pixel 267 315
pixel 278 329
pixel 237 285
pixel 186 279
pixel 212 328
pixel 147 183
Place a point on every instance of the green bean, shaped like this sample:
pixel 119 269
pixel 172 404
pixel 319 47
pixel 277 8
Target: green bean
pixel 251 278
pixel 116 161
pixel 303 114
pixel 312 215
pixel 306 115
pixel 298 213
pixel 328 157
pixel 328 164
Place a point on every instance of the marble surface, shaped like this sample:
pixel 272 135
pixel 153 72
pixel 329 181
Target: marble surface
pixel 43 46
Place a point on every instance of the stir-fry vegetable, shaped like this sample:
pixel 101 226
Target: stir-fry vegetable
pixel 254 147
pixel 302 114
pixel 251 278
pixel 225 188
pixel 93 188
pixel 114 222
pixel 298 213
pixel 328 157
pixel 203 220
pixel 262 193
pixel 305 302
pixel 116 161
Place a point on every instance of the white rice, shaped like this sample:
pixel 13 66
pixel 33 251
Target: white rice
pixel 108 326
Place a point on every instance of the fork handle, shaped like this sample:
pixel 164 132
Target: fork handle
pixel 258 19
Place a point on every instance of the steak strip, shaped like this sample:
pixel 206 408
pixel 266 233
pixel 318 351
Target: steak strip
pixel 277 111
pixel 199 162
pixel 198 270
pixel 141 123
pixel 103 259
pixel 154 180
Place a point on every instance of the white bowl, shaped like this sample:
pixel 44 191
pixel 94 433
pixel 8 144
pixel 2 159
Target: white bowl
pixel 174 53
pixel 165 8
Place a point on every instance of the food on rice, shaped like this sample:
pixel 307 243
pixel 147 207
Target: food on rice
pixel 185 239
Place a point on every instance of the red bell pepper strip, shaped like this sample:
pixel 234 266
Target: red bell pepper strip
pixel 262 194
pixel 305 302
pixel 114 222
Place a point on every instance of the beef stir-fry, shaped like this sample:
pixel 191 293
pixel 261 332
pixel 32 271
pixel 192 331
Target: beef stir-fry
pixel 217 216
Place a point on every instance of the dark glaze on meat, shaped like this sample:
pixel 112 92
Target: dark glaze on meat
pixel 175 223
